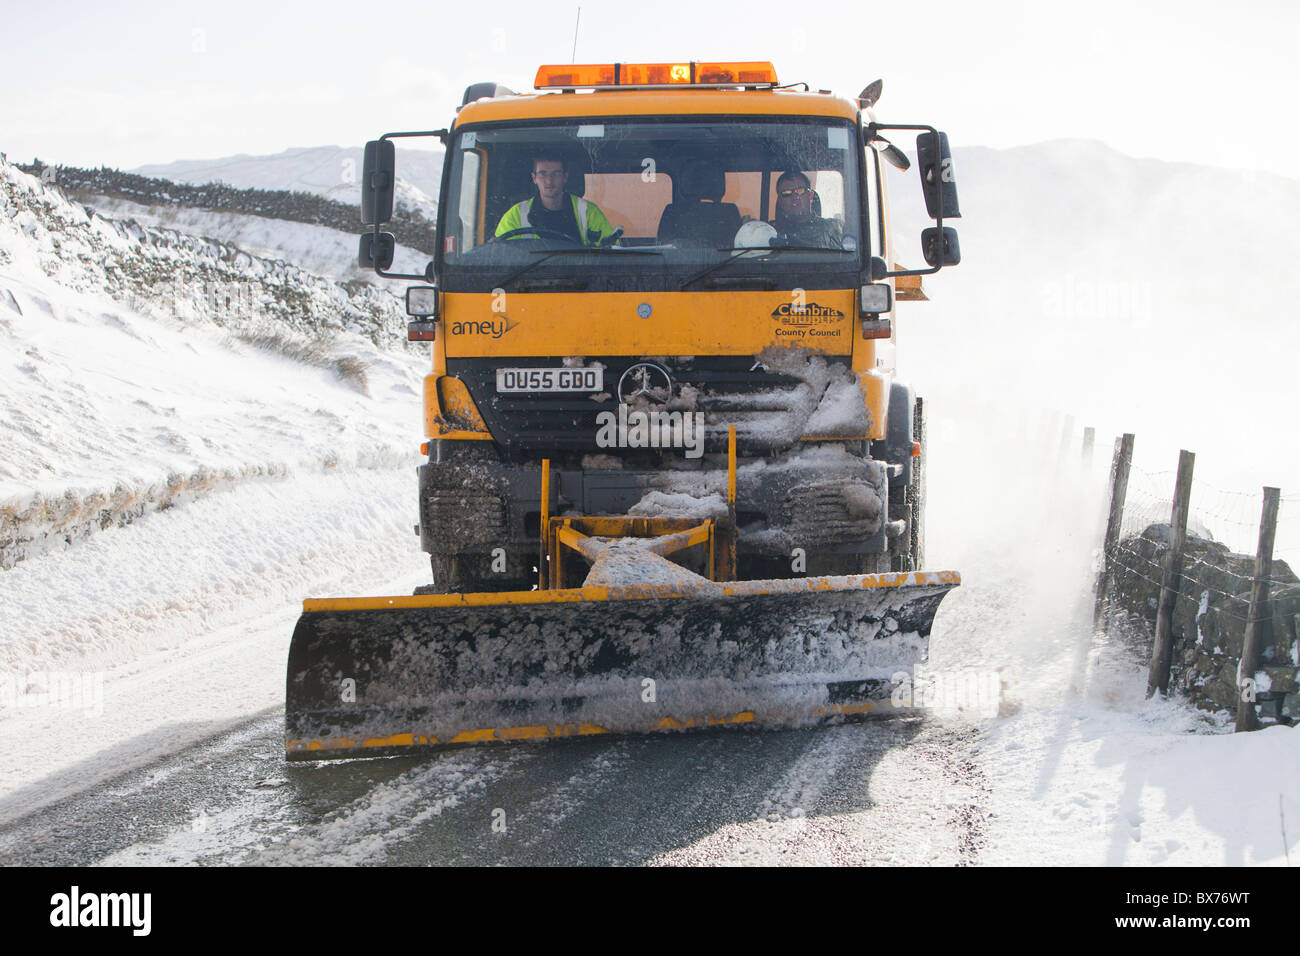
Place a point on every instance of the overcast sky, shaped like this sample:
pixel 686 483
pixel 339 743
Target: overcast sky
pixel 151 82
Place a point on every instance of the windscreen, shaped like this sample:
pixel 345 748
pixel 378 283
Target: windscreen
pixel 654 203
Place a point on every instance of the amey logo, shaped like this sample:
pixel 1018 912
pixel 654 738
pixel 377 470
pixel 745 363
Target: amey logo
pixel 791 313
pixel 491 327
pixel 102 909
pixel 651 429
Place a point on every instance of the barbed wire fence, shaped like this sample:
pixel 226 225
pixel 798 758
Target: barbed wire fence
pixel 1207 560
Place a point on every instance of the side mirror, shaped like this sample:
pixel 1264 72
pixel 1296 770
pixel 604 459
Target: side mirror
pixel 870 94
pixel 940 249
pixel 896 157
pixel 938 182
pixel 892 154
pixel 376 250
pixel 377 182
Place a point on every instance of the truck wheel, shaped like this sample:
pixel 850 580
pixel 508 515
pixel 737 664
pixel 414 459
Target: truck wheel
pixel 907 503
pixel 470 573
pixel 842 564
pixel 456 574
pixel 916 517
pixel 900 553
pixel 901 432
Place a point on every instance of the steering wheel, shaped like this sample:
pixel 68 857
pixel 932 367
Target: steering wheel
pixel 540 233
pixel 612 239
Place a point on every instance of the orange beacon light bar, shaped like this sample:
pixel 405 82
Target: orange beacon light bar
pixel 611 75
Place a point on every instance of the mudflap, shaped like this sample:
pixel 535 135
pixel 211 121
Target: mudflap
pixel 374 676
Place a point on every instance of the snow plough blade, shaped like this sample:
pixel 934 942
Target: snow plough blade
pixel 373 676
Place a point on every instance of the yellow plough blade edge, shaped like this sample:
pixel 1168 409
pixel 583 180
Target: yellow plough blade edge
pixel 378 675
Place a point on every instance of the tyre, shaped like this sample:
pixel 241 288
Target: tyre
pixel 452 574
pixel 907 501
pixel 916 524
pixel 470 573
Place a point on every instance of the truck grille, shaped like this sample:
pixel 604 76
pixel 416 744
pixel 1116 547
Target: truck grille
pixel 730 391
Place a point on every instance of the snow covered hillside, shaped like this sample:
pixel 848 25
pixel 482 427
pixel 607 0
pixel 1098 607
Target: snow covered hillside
pixel 145 366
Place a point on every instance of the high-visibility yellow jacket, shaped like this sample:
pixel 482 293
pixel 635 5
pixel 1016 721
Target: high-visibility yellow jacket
pixel 590 220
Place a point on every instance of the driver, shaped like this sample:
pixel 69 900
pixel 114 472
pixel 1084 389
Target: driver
pixel 552 210
pixel 795 217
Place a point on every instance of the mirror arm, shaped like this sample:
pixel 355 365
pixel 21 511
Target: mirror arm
pixel 872 129
pixel 873 126
pixel 442 135
pixel 400 275
pixel 403 275
pixel 910 272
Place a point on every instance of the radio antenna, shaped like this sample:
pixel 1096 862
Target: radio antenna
pixel 577 20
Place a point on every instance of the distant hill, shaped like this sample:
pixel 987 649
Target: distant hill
pixel 330 171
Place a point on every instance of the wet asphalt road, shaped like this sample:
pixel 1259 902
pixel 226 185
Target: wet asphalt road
pixel 903 791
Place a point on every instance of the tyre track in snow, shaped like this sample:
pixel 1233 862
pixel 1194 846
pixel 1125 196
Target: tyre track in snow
pixel 883 798
pixel 185 644
pixel 864 793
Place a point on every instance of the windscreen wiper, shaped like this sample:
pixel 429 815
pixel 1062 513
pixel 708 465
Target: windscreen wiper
pixel 585 250
pixel 764 250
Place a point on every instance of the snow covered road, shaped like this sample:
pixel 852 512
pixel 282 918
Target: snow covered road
pixel 181 760
pixel 833 795
pixel 181 622
pixel 184 765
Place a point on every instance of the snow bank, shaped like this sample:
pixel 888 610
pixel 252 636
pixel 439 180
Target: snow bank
pixel 170 275
pixel 127 387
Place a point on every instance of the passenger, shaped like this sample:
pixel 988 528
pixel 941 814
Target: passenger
pixel 553 210
pixel 795 217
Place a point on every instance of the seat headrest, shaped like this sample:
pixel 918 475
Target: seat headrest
pixel 701 179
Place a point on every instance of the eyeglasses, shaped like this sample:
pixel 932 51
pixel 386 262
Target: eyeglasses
pixel 549 173
pixel 796 191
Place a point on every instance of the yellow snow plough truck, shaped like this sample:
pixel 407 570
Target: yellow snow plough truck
pixel 672 481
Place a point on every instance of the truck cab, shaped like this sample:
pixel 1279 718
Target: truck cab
pixel 720 269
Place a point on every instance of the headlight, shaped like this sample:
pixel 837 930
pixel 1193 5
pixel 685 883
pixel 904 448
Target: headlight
pixel 422 301
pixel 876 298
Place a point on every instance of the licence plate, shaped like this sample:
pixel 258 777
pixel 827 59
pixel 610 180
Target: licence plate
pixel 550 380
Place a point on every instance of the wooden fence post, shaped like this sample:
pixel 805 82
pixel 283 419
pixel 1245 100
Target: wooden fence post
pixel 1259 616
pixel 1119 467
pixel 1163 649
